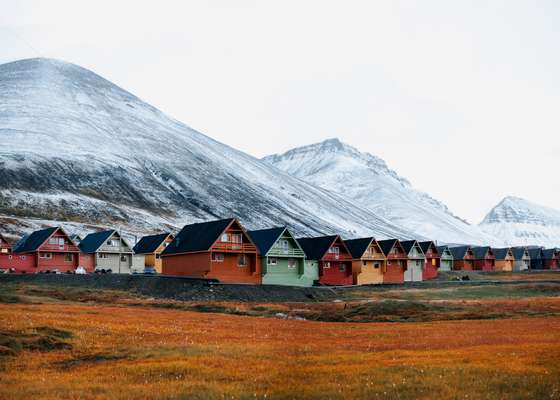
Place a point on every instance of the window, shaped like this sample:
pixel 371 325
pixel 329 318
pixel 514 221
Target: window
pixel 22 257
pixel 417 263
pixel 394 250
pixel 45 255
pixel 272 261
pixel 158 256
pixel 364 263
pixel 342 267
pixel 102 255
pixel 334 250
pixel 327 265
pixel 165 244
pixel 433 262
pixel 236 238
pixel 113 243
pixel 218 257
pixel 124 258
pixel 291 263
pixel 68 257
pixel 225 237
pixel 243 260
pixel 376 265
pixel 284 245
pixel 10 257
pixel 57 241
pixel 4 250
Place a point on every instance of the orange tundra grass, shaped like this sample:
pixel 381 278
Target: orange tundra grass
pixel 132 352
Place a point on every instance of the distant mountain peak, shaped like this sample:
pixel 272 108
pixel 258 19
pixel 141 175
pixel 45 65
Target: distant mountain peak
pixel 367 180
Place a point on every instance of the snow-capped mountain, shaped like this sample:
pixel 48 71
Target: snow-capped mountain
pixel 367 180
pixel 75 147
pixel 521 222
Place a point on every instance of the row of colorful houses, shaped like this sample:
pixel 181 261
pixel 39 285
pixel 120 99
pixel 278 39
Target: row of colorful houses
pixel 226 251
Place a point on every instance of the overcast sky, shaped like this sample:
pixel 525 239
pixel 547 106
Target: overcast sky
pixel 460 97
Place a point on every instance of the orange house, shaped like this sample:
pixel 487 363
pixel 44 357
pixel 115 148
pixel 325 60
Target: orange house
pixel 219 250
pixel 368 261
pixel 463 258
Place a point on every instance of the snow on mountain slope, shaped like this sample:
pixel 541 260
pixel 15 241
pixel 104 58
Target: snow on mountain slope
pixel 75 147
pixel 521 222
pixel 366 180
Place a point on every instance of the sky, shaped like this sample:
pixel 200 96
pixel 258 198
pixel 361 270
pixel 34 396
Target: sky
pixel 462 98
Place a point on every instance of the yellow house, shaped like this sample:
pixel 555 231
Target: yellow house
pixel 369 263
pixel 152 247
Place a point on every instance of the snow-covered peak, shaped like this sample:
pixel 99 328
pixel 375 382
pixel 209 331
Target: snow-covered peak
pixel 517 210
pixel 367 180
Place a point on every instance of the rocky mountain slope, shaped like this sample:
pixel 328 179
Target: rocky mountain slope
pixel 75 147
pixel 521 222
pixel 367 180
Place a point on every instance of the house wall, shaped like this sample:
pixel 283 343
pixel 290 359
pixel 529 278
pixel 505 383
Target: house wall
pixel 431 268
pixel 551 264
pixel 395 271
pixel 370 273
pixel 57 262
pixel 195 265
pixel 504 265
pixel 414 270
pixel 22 263
pixel 485 264
pixel 281 274
pixel 522 265
pixel 463 265
pixel 537 263
pixel 335 272
pixel 446 264
pixel 87 261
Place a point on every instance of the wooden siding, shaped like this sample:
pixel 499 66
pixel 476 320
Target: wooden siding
pixel 368 272
pixel 395 271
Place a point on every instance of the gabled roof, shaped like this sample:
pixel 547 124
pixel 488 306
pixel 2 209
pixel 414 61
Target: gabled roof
pixel 443 249
pixel 502 253
pixel 92 242
pixel 519 252
pixel 315 248
pixel 387 245
pixel 535 253
pixel 481 252
pixel 425 246
pixel 408 245
pixel 149 244
pixel 34 240
pixel 358 247
pixel 459 252
pixel 198 237
pixel 264 239
pixel 549 254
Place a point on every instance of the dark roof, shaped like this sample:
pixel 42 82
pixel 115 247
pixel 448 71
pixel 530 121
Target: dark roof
pixel 34 240
pixel 198 237
pixel 315 248
pixel 408 245
pixel 357 247
pixel 92 242
pixel 501 254
pixel 549 254
pixel 387 245
pixel 441 249
pixel 518 252
pixel 480 252
pixel 149 244
pixel 535 253
pixel 264 239
pixel 459 252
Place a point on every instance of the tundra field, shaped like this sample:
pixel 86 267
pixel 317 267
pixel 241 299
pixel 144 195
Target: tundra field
pixel 499 341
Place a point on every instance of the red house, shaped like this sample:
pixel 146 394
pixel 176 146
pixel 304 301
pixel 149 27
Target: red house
pixel 46 250
pixel 396 260
pixel 219 250
pixel 6 257
pixel 332 256
pixel 551 259
pixel 433 260
pixel 484 259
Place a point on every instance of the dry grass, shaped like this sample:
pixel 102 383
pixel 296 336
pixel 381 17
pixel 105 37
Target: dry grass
pixel 135 352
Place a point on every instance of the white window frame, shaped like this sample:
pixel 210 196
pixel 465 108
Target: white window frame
pixel 71 257
pixel 272 261
pixel 292 263
pixel 45 255
pixel 245 258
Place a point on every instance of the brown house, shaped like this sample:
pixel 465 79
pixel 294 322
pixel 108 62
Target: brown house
pixel 219 250
pixel 396 260
pixel 151 247
pixel 463 258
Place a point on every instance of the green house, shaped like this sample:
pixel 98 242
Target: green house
pixel 446 263
pixel 282 259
